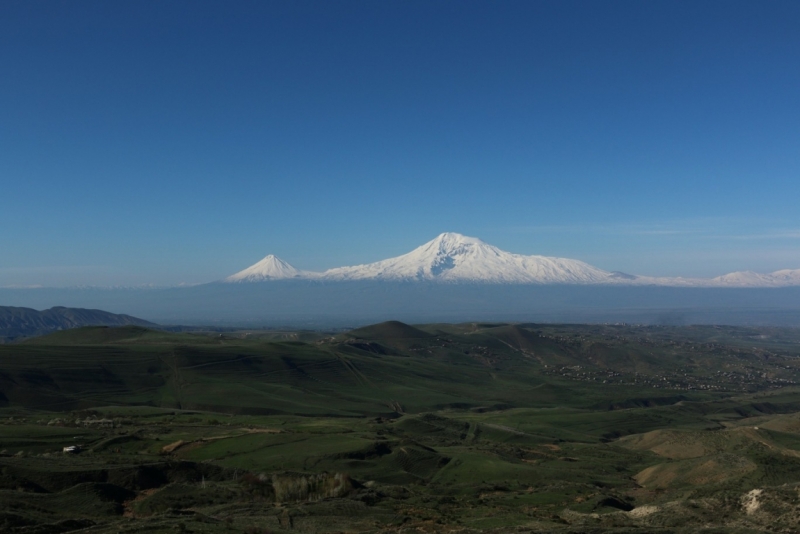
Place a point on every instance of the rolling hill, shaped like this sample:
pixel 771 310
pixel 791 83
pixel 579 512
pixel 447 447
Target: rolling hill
pixel 471 427
pixel 25 322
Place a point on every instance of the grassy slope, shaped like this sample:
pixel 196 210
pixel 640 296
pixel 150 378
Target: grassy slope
pixel 480 426
pixel 92 366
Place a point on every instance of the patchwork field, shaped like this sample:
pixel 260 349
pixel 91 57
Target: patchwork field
pixel 399 428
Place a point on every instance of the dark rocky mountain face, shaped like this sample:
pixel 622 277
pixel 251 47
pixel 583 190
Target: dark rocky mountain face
pixel 25 322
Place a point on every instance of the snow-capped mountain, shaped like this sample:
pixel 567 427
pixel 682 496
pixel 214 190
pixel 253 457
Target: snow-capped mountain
pixel 784 277
pixel 450 257
pixel 270 268
pixel 453 257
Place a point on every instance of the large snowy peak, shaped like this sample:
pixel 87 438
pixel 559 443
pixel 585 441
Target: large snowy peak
pixel 458 258
pixel 270 268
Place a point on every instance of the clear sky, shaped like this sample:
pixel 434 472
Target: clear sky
pixel 181 141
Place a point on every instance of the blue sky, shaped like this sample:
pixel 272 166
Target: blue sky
pixel 167 142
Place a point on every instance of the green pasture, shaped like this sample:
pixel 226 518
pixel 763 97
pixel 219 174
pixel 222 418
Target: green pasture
pixel 429 428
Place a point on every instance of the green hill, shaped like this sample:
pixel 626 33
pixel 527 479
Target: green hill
pixel 396 368
pixel 388 331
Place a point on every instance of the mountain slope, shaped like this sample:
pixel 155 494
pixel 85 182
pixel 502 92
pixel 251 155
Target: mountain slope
pixel 453 257
pixel 785 277
pixel 21 322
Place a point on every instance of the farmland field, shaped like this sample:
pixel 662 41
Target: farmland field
pixel 399 428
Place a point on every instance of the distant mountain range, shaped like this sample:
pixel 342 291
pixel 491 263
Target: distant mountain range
pixel 456 258
pixel 452 278
pixel 23 322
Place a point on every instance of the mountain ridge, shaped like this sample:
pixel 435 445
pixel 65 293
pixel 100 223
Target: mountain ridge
pixel 18 322
pixel 456 258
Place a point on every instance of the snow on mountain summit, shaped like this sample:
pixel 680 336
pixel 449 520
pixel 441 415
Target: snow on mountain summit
pixel 454 257
pixel 270 268
pixel 782 278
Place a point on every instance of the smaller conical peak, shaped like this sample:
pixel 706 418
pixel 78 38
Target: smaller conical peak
pixel 269 268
